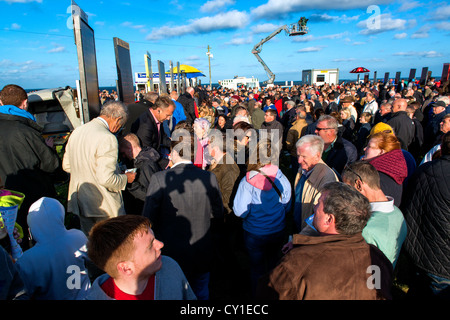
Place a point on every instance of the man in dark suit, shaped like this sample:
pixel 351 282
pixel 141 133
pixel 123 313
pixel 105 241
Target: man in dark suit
pixel 338 151
pixel 149 126
pixel 146 101
pixel 181 203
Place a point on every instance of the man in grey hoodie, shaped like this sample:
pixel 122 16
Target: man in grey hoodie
pixel 54 268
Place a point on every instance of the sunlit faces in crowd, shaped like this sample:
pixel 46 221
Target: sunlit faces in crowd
pixel 307 157
pixel 147 255
pixel 326 132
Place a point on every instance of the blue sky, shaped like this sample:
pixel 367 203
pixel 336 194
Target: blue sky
pixel 38 48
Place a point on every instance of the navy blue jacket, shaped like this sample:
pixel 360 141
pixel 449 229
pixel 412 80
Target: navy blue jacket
pixel 343 152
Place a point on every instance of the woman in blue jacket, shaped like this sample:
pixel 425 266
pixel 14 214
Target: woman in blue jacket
pixel 262 200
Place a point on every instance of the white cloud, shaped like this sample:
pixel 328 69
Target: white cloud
pixel 305 38
pixel 215 5
pixel 311 37
pixel 5 63
pixel 223 21
pixel 421 33
pixel 441 13
pixel 264 28
pixel 344 60
pixel 402 35
pixel 326 17
pixel 176 4
pixel 192 60
pixel 423 54
pixel 443 26
pixel 280 8
pixel 376 60
pixel 335 35
pixel 129 24
pixel 15 26
pixel 310 49
pixel 240 41
pixel 409 5
pixel 383 23
pixel 57 48
pixel 9 67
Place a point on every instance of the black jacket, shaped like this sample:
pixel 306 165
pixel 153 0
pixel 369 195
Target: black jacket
pixel 147 131
pixel 188 104
pixel 26 162
pixel 361 137
pixel 342 153
pixel 403 127
pixel 147 162
pixel 431 131
pixel 135 110
pixel 288 118
pixel 426 207
pixel 181 202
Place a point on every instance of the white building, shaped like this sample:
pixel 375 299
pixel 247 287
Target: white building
pixel 238 82
pixel 320 76
pixel 141 81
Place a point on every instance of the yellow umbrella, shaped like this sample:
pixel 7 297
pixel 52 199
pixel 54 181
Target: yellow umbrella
pixel 186 69
pixel 190 72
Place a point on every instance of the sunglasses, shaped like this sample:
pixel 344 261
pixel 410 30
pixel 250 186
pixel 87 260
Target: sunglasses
pixel 347 168
pixel 319 129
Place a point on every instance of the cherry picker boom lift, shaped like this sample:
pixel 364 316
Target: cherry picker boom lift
pixel 294 29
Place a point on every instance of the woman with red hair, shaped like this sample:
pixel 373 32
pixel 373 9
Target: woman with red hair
pixel 384 152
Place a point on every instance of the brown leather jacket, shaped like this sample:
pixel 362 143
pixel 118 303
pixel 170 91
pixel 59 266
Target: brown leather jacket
pixel 333 267
pixel 228 176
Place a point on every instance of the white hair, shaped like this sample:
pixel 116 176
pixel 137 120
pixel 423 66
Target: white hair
pixel 445 99
pixel 315 143
pixel 115 109
pixel 240 118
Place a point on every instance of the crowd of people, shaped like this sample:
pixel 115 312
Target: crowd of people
pixel 301 192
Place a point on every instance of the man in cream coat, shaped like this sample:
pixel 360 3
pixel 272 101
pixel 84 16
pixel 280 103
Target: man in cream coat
pixel 96 184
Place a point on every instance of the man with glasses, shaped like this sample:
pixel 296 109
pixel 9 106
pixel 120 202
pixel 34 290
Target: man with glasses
pixel 383 114
pixel 337 151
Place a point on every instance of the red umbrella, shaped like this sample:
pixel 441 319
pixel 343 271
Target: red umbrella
pixel 359 70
